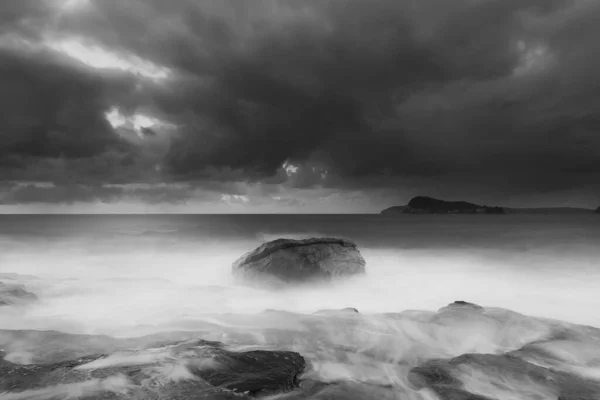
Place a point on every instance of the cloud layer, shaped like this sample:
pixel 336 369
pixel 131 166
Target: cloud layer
pixel 492 96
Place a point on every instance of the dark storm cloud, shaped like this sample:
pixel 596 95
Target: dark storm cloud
pixel 24 16
pixel 482 93
pixel 263 91
pixel 51 110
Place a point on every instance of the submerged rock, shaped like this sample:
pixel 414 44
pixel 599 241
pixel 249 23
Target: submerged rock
pixel 300 261
pixel 192 370
pixel 341 355
pixel 14 294
pixel 461 305
pixel 500 376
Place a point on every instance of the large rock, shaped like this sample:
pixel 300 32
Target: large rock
pixel 11 294
pixel 300 261
pixel 598 210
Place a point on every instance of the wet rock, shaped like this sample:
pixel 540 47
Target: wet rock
pixel 462 305
pixel 505 373
pixel 195 369
pixel 14 294
pixel 254 372
pixel 286 261
pixel 315 390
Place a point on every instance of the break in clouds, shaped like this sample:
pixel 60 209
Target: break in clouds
pixel 290 105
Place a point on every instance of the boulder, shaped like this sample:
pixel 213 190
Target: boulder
pixel 14 294
pixel 286 261
pixel 597 210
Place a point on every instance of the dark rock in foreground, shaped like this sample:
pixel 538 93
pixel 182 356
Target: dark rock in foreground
pixel 11 294
pixel 597 210
pixel 254 372
pixel 300 261
pixel 505 373
pixel 196 369
pixel 429 205
pixel 337 355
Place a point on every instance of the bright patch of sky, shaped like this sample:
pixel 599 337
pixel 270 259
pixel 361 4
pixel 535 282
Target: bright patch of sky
pixel 71 5
pixel 290 169
pixel 137 121
pixel 96 56
pixel 235 198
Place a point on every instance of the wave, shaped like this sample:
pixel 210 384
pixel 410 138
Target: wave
pixel 490 352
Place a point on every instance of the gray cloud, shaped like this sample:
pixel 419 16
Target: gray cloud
pixel 52 109
pixel 79 193
pixel 488 94
pixel 27 194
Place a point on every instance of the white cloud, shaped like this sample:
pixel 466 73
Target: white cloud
pixel 137 122
pixel 98 57
pixel 71 5
pixel 115 118
pixel 235 199
pixel 290 169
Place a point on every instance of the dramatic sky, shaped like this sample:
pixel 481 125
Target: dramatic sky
pixel 297 105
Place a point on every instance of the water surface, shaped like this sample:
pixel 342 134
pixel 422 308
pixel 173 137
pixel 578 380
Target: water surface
pixel 116 274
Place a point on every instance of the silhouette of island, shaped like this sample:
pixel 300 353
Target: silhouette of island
pixel 429 205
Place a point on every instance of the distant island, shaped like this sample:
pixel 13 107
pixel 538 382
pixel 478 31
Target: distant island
pixel 429 205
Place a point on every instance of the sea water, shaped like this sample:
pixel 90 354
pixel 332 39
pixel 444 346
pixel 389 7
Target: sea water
pixel 106 274
pixel 128 276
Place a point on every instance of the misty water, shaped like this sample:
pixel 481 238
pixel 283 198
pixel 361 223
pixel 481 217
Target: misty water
pixel 129 276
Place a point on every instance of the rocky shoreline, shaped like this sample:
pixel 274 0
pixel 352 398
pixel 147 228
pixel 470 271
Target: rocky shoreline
pixel 306 362
pixel 463 351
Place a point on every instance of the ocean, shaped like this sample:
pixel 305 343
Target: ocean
pixel 140 269
pixel 133 275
